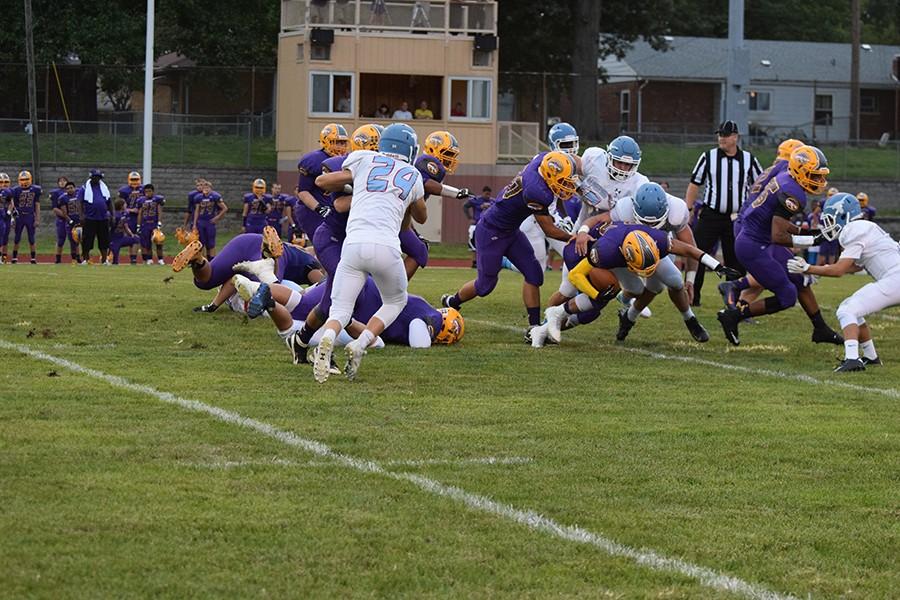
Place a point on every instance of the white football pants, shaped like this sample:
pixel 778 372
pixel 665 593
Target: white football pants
pixel 385 265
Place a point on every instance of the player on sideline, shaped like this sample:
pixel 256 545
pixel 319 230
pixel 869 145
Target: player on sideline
pixel 132 193
pixel 209 208
pixel 26 205
pixel 865 246
pixel 257 204
pixel 68 203
pixel 62 217
pixel 189 211
pixel 5 217
pixel 388 191
pixel 548 176
pixel 150 211
pixel 765 225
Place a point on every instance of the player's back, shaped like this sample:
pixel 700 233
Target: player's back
pixel 777 168
pixel 522 197
pixel 383 188
pixel 780 196
pixel 676 220
pixel 871 247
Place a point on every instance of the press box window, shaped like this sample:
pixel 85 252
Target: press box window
pixel 330 93
pixel 474 95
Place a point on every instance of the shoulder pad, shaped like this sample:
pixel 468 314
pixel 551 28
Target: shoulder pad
pixel 854 231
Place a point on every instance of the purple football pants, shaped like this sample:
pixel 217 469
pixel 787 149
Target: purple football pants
pixel 492 246
pixel 245 246
pixel 26 223
pixel 117 243
pixel 413 246
pixel 207 231
pixel 328 251
pixel 768 265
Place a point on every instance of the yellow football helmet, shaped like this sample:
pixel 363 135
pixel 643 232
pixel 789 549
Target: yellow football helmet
pixel 4 181
pixel 334 139
pixel 809 167
pixel 444 147
pixel 641 253
pixel 259 186
pixel 365 138
pixel 25 178
pixel 453 329
pixel 863 199
pixel 831 192
pixel 76 234
pixel 134 179
pixel 786 147
pixel 560 173
pixel 157 237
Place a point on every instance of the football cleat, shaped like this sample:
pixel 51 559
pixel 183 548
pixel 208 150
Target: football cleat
pixel 206 308
pixel 538 336
pixel 191 253
pixel 730 294
pixel 625 325
pixel 555 316
pixel 297 347
pixel 272 246
pixel 698 332
pixel 261 301
pixel 729 318
pixel 826 335
pixel 263 269
pixel 160 262
pixel 445 300
pixel 322 359
pixel 872 362
pixel 355 353
pixel 849 365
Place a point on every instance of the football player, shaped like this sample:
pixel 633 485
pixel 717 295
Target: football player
pixel 282 209
pixel 765 226
pixel 132 193
pixel 630 252
pixel 866 246
pixel 62 216
pixel 388 191
pixel 26 205
pixel 474 207
pixel 312 205
pixel 548 176
pixel 150 211
pixel 68 203
pixel 651 206
pixel 257 204
pixel 5 216
pixel 121 234
pixel 189 210
pixel 868 211
pixel 208 210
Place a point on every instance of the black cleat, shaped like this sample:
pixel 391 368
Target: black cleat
pixel 206 308
pixel 826 335
pixel 729 320
pixel 297 347
pixel 872 362
pixel 849 365
pixel 698 332
pixel 730 294
pixel 528 333
pixel 445 300
pixel 625 325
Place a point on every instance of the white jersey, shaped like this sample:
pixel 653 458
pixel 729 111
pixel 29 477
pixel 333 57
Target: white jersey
pixel 594 166
pixel 678 218
pixel 871 248
pixel 383 188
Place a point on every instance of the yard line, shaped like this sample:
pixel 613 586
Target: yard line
pixel 425 462
pixel 694 360
pixel 531 519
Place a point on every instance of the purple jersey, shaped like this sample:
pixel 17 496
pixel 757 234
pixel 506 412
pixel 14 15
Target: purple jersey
pixel 55 195
pixel 369 301
pixel 279 203
pixel 336 221
pixel 99 209
pixel 606 253
pixel 209 205
pixel 525 195
pixel 868 213
pixel 430 168
pixel 781 197
pixel 192 201
pixel 310 167
pixel 121 221
pixel 475 205
pixel 256 208
pixel 150 209
pixel 777 168
pixel 25 199
pixel 70 205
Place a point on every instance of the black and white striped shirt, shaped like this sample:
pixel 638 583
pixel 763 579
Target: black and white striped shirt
pixel 727 178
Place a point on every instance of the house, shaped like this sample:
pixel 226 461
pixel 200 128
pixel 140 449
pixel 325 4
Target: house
pixel 798 89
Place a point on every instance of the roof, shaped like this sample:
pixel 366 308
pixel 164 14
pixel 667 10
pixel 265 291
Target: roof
pixel 706 59
pixel 173 60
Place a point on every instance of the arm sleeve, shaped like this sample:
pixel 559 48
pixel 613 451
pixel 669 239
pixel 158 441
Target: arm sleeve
pixel 701 169
pixel 419 336
pixel 579 278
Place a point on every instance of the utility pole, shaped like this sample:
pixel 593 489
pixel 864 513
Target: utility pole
pixel 148 94
pixel 855 43
pixel 738 83
pixel 32 93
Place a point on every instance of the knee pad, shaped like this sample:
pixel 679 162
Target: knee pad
pixel 847 314
pixel 787 296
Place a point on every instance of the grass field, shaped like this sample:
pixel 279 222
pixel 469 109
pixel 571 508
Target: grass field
pixel 690 471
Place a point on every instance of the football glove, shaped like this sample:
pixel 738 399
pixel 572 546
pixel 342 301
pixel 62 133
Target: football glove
pixel 137 229
pixel 728 273
pixel 797 265
pixel 564 223
pixel 323 211
pixel 462 194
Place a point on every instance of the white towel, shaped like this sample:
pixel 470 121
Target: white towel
pixel 89 191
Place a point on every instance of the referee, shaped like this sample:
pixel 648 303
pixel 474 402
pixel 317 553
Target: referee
pixel 727 171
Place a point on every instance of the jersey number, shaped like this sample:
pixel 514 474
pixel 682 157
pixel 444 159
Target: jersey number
pixel 771 188
pixel 404 179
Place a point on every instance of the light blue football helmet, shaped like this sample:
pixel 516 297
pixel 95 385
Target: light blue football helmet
pixel 564 138
pixel 651 205
pixel 399 140
pixel 839 210
pixel 625 150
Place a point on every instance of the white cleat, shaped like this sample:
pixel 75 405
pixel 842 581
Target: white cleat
pixel 355 353
pixel 539 336
pixel 556 316
pixel 646 313
pixel 245 288
pixel 160 262
pixel 322 359
pixel 263 269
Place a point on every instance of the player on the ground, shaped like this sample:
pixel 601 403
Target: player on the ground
pixel 866 246
pixel 312 205
pixel 5 216
pixel 25 200
pixel 766 225
pixel 548 176
pixel 257 204
pixel 388 191
pixel 208 210
pixel 651 206
pixel 150 212
pixel 132 193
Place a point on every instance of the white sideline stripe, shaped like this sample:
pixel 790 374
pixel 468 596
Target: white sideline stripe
pixel 889 392
pixel 427 462
pixel 644 557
